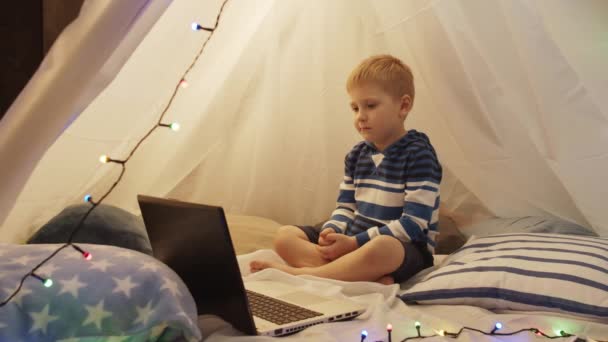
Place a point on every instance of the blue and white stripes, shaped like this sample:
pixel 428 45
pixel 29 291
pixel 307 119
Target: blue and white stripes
pixel 395 192
pixel 547 272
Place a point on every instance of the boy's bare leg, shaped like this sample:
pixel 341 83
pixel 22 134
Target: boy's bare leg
pixel 292 244
pixel 370 262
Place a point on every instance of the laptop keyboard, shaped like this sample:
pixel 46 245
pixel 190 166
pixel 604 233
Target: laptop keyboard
pixel 277 311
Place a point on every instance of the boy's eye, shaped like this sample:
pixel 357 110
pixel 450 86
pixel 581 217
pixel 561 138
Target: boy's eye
pixel 371 105
pixel 355 109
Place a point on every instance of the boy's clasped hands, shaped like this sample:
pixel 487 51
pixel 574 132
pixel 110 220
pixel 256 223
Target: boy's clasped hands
pixel 333 245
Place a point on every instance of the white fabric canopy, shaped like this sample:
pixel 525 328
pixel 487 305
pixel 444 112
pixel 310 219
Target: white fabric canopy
pixel 511 93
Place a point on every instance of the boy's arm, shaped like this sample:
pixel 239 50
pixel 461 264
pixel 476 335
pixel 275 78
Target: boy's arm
pixel 421 200
pixel 344 213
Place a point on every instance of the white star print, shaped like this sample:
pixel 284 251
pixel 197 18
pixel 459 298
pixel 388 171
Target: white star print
pixel 125 254
pixel 42 319
pixel 71 286
pixel 143 314
pixel 24 260
pixel 48 269
pixel 96 314
pixel 171 286
pixel 101 265
pixel 2 325
pixel 124 285
pixel 150 266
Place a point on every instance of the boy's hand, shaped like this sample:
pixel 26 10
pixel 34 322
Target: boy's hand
pixel 323 237
pixel 339 245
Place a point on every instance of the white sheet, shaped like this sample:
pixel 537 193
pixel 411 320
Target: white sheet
pixel 384 308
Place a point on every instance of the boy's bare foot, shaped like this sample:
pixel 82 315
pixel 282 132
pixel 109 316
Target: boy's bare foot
pixel 386 280
pixel 256 266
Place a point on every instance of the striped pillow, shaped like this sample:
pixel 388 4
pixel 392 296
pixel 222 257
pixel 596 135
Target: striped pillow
pixel 524 272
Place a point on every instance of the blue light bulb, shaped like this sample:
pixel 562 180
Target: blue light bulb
pixel 87 198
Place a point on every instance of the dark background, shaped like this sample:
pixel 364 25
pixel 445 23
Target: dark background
pixel 28 29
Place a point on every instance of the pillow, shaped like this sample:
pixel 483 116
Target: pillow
pixel 523 272
pixel 117 295
pixel 106 225
pixel 526 224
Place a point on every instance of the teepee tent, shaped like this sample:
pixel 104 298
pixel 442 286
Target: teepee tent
pixel 511 94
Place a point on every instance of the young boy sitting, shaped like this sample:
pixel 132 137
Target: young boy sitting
pixel 385 223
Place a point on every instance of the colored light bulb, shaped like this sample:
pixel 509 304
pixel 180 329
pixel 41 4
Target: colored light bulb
pixel 175 126
pixel 104 159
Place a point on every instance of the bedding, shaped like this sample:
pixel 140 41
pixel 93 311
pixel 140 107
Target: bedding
pixel 119 295
pixel 385 307
pixel 525 224
pixel 558 273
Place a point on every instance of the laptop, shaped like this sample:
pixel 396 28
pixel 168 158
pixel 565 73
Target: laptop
pixel 193 240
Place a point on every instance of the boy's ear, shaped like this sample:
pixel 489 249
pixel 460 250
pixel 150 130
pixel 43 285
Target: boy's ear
pixel 406 105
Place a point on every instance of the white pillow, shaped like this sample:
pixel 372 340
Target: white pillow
pixel 524 272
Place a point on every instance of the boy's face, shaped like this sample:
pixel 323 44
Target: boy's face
pixel 378 116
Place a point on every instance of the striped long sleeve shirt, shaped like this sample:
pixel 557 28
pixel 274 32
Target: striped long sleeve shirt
pixel 394 192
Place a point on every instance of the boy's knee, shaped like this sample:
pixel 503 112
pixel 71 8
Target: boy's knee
pixel 386 248
pixel 286 234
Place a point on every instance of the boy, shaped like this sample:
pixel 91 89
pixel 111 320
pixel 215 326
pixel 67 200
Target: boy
pixel 384 226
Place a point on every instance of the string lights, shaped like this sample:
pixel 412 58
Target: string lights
pixel 559 333
pixel 197 27
pixel 48 282
pixel 105 159
pixel 174 126
pixel 363 335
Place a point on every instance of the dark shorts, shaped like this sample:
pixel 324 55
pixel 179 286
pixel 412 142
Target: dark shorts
pixel 417 256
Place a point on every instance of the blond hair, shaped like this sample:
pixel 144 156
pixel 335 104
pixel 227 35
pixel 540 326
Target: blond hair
pixel 390 73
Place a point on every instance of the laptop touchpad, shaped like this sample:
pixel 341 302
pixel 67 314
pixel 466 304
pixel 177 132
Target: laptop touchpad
pixel 303 298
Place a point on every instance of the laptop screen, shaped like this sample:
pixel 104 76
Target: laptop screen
pixel 194 241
